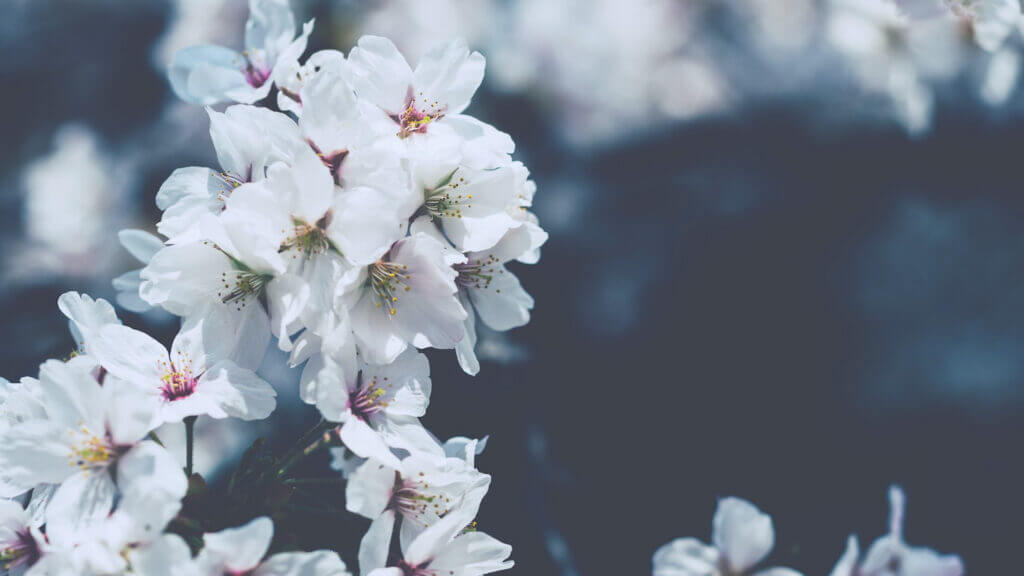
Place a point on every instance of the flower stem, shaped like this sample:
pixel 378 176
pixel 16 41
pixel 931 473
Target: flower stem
pixel 190 422
pixel 325 438
pixel 329 481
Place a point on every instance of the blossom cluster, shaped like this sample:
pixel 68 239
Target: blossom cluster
pixel 742 537
pixel 366 220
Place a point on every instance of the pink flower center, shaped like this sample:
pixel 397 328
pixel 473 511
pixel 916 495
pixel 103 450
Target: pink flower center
pixel 256 71
pixel 369 399
pixel 418 114
pixel 178 384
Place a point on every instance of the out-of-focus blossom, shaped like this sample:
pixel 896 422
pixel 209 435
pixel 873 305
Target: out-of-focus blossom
pixel 741 537
pixel 891 556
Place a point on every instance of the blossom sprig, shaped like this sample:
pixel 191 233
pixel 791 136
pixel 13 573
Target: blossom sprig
pixel 742 537
pixel 365 219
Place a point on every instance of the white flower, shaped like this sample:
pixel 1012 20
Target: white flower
pixel 195 378
pixel 208 74
pixel 741 536
pixel 240 551
pixel 19 547
pixel 420 101
pixel 446 547
pixel 133 533
pixel 991 21
pixel 87 429
pixel 247 140
pixel 378 406
pixel 406 297
pixel 469 205
pixel 220 280
pixel 891 556
pixel 420 492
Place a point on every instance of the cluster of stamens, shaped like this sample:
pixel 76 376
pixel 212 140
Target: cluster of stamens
pixel 240 286
pixel 307 240
pixel 446 201
pixel 178 380
pixel 478 273
pixel 255 71
pixel 415 118
pixel 386 280
pixel 22 552
pixel 91 451
pixel 229 182
pixel 408 497
pixel 368 399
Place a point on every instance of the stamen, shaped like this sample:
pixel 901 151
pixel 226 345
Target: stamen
pixel 413 499
pixel 418 115
pixel 386 281
pixel 446 201
pixel 367 400
pixel 478 273
pixel 308 240
pixel 91 451
pixel 178 379
pixel 256 72
pixel 240 286
pixel 22 552
pixel 229 181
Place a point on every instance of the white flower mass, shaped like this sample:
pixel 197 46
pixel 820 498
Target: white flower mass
pixel 370 220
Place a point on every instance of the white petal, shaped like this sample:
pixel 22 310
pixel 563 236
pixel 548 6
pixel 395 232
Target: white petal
pixel 185 277
pixel 169 555
pixel 685 557
pixel 369 488
pixel 148 467
pixel 85 315
pixel 362 440
pixel 379 73
pixel 130 355
pixel 450 75
pixel 131 412
pixel 376 543
pixel 742 533
pixel 81 502
pixel 848 562
pixel 238 392
pixel 270 27
pixel 474 553
pixel 465 350
pixel 502 303
pixel 238 549
pixel 140 244
pixel 319 563
pixel 208 74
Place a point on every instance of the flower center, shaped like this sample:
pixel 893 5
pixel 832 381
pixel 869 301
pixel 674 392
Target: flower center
pixel 410 570
pixel 256 71
pixel 240 286
pixel 229 181
pixel 178 384
pixel 445 201
pixel 413 500
pixel 369 398
pixel 477 273
pixel 23 551
pixel 308 240
pixel 386 281
pixel 418 115
pixel 90 451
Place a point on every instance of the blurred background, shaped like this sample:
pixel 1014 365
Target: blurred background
pixel 786 257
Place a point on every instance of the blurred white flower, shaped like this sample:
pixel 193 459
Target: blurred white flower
pixel 741 537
